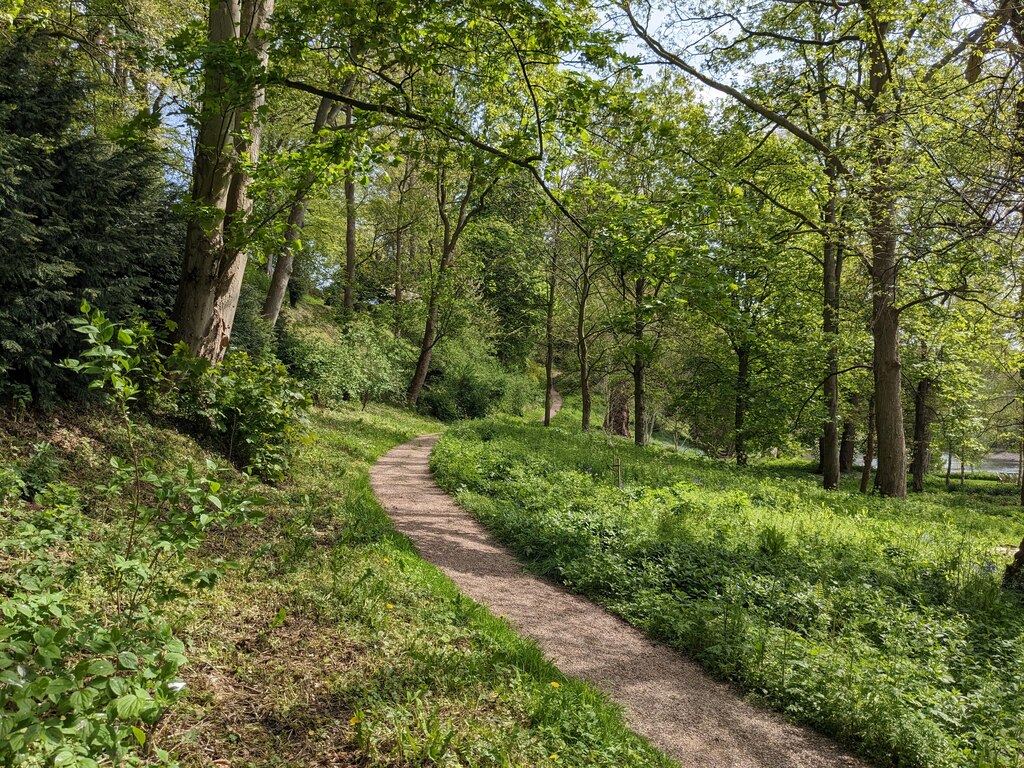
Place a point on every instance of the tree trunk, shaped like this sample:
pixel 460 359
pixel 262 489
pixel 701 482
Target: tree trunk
pixel 1013 576
pixel 1020 466
pixel 881 204
pixel 869 447
pixel 639 395
pixel 949 465
pixel 639 367
pixel 419 377
pixel 451 232
pixel 350 232
pixel 296 218
pixel 582 347
pixel 923 413
pixel 430 330
pixel 847 446
pixel 742 401
pixel 617 420
pixel 549 357
pixel 830 325
pixel 227 141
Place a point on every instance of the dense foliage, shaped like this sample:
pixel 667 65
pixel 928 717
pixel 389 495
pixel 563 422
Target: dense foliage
pixel 82 215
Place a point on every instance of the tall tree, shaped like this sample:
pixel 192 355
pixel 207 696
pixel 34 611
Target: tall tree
pixel 227 148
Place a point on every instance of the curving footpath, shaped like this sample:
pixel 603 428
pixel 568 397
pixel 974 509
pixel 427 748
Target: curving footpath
pixel 665 697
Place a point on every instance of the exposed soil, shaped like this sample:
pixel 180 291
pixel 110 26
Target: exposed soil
pixel 666 698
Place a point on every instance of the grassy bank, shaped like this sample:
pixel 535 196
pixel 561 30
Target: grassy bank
pixel 879 621
pixel 328 641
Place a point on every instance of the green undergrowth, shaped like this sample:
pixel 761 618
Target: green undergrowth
pixel 333 643
pixel 325 640
pixel 881 622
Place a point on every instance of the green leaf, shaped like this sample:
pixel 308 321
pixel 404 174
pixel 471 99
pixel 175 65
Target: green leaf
pixel 98 668
pixel 140 736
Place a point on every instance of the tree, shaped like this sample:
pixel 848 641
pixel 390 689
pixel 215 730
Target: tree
pixel 462 184
pixel 228 133
pixel 83 216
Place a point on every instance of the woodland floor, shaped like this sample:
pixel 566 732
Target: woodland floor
pixel 665 697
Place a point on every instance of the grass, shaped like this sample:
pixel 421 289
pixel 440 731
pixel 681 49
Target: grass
pixel 881 622
pixel 330 642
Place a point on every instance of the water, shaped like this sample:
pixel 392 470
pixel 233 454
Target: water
pixel 1004 462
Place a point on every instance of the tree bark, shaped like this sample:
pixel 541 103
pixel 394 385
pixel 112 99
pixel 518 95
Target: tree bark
pixel 296 219
pixel 1013 576
pixel 891 478
pixel 227 141
pixel 419 377
pixel 830 465
pixel 923 414
pixel 869 448
pixel 949 465
pixel 617 420
pixel 1020 461
pixel 742 402
pixel 847 446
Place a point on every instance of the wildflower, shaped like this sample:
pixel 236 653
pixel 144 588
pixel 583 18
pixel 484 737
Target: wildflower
pixel 390 606
pixel 555 684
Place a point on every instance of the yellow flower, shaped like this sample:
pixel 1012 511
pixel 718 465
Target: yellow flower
pixel 555 684
pixel 390 606
pixel 356 720
pixel 553 757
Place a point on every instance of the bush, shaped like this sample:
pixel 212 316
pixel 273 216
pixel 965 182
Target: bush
pixel 257 413
pixel 364 363
pixel 251 411
pixel 469 383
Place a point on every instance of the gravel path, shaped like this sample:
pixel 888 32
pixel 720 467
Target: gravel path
pixel 665 697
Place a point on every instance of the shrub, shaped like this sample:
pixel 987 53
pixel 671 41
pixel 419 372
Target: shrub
pixel 81 680
pixel 251 411
pixel 257 413
pixel 469 383
pixel 364 363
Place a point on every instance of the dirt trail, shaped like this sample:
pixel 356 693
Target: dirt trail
pixel 665 697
